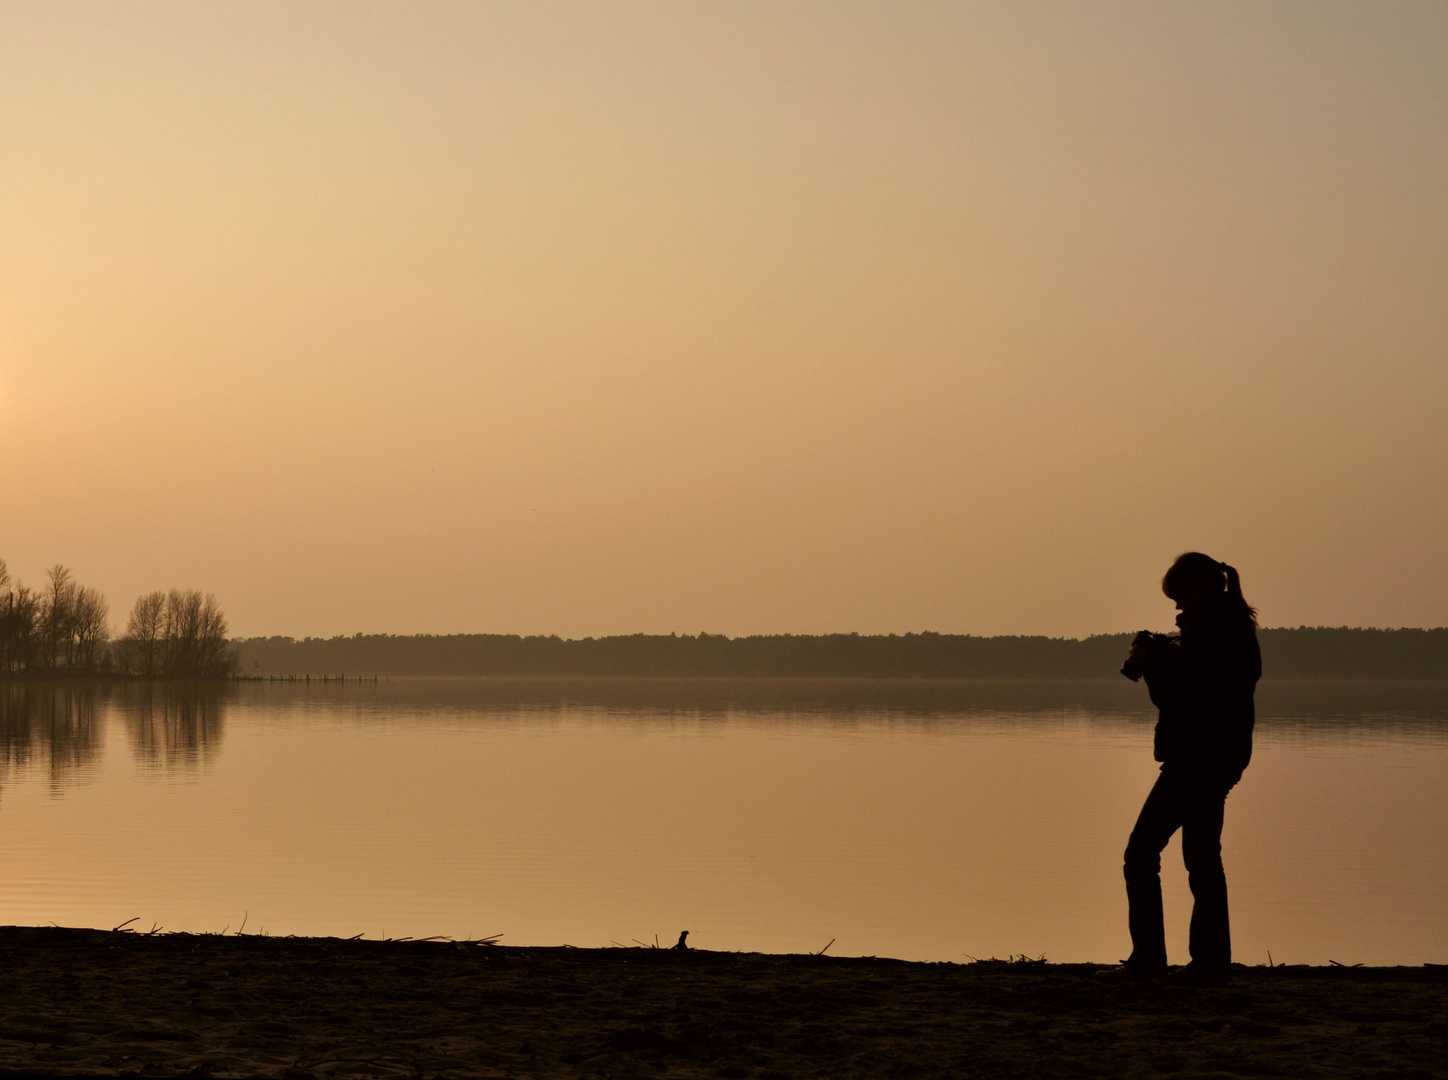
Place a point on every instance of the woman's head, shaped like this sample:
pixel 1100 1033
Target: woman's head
pixel 1195 577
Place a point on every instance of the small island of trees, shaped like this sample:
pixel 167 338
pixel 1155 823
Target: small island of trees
pixel 63 629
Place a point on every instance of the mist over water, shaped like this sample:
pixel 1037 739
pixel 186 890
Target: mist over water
pixel 920 819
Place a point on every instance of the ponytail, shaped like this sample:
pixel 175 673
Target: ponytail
pixel 1234 591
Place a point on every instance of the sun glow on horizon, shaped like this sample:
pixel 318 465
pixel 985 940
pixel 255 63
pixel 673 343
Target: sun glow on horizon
pixel 590 319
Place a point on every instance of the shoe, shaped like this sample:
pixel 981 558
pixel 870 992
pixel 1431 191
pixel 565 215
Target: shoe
pixel 1129 972
pixel 1195 974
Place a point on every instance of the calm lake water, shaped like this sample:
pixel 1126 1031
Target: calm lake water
pixel 913 819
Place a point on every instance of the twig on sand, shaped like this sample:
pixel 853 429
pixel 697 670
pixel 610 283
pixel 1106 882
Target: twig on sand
pixel 822 951
pixel 156 928
pixel 124 924
pixel 1269 959
pixel 242 927
pixel 1334 963
pixel 382 1063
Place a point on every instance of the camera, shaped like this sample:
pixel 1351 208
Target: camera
pixel 1132 668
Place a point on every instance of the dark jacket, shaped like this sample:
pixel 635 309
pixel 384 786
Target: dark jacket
pixel 1203 683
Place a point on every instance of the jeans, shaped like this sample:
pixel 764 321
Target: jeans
pixel 1195 804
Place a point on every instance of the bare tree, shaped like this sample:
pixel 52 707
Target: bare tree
pixel 19 618
pixel 9 631
pixel 212 654
pixel 7 627
pixel 176 631
pixel 90 627
pixel 57 617
pixel 144 632
pixel 193 631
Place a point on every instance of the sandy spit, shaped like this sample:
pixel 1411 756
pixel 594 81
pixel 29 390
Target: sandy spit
pixel 91 1002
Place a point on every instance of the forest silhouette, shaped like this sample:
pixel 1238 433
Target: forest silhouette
pixel 1300 653
pixel 62 631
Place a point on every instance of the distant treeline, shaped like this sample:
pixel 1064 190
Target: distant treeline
pixel 64 629
pixel 1302 653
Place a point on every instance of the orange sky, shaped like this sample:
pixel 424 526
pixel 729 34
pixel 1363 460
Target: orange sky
pixel 597 318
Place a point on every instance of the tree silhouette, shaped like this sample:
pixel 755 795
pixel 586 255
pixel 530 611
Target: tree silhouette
pixel 65 629
pixel 144 630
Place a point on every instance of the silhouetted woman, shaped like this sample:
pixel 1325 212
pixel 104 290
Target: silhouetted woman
pixel 1202 682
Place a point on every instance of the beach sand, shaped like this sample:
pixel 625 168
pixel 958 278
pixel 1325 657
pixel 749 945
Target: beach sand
pixel 76 1002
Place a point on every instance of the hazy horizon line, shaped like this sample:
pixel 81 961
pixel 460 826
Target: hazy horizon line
pixel 786 634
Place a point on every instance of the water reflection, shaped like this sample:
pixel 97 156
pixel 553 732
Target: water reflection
pixel 908 818
pixel 60 726
pixel 50 723
pixel 1286 709
pixel 173 726
pixel 57 729
pixel 412 700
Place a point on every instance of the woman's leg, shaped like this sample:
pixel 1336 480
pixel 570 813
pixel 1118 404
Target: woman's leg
pixel 1211 935
pixel 1160 817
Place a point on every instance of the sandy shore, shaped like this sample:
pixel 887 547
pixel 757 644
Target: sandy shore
pixel 76 1002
